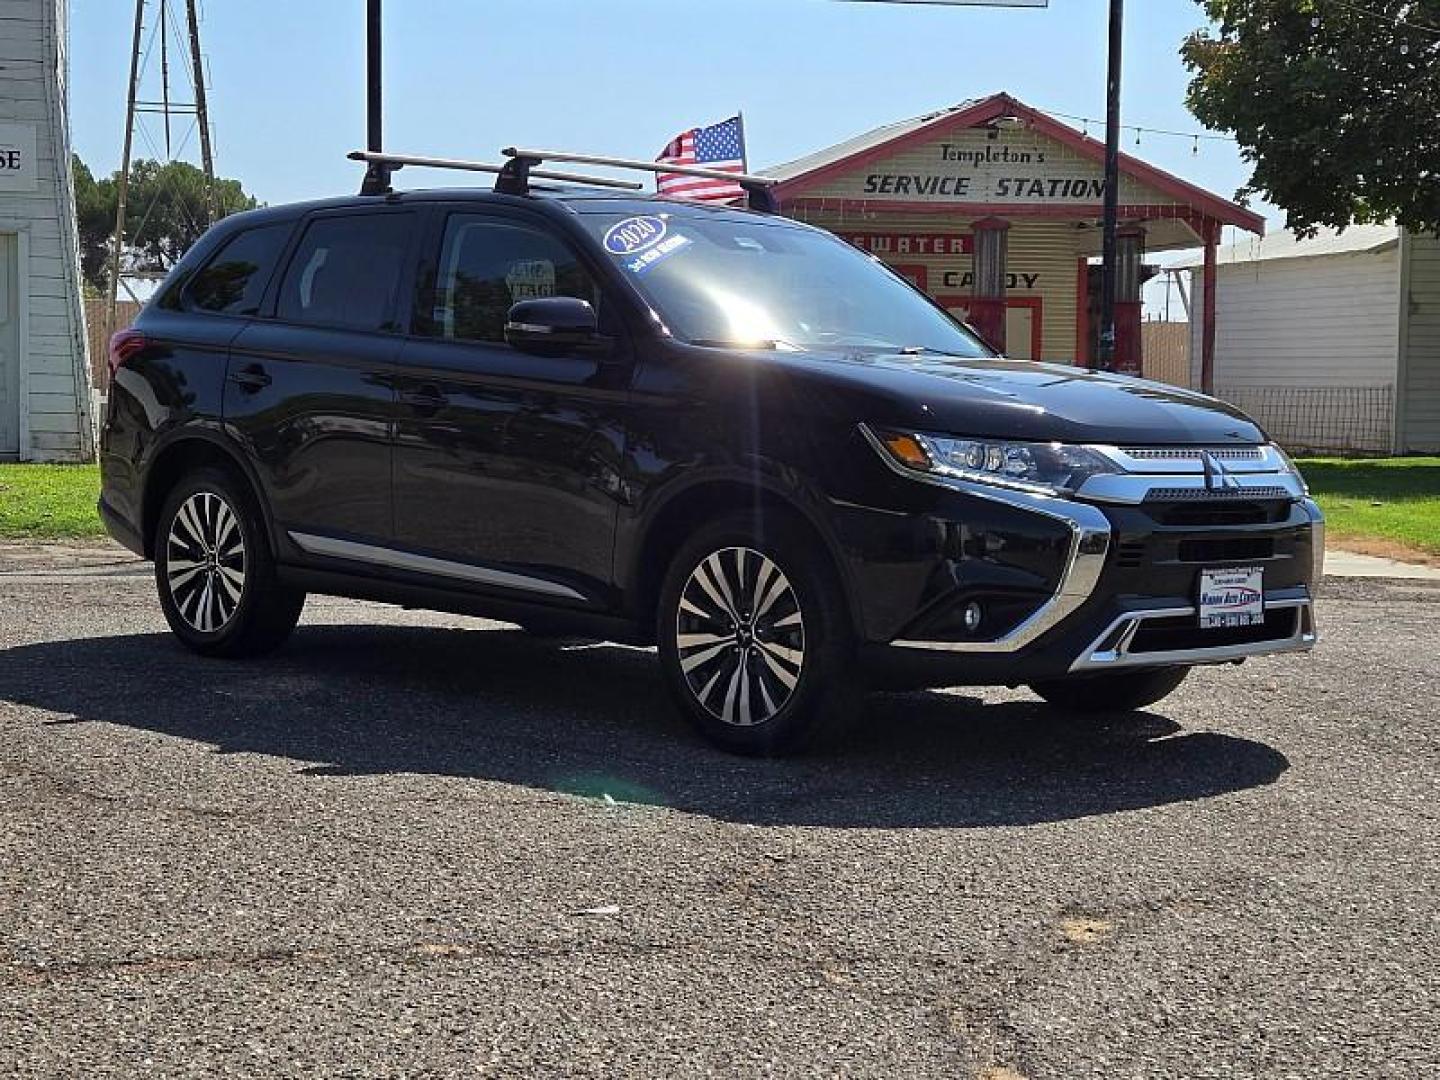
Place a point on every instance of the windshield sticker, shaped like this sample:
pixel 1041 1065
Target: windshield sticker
pixel 634 234
pixel 663 250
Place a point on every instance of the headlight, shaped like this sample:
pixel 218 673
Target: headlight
pixel 1289 464
pixel 1046 468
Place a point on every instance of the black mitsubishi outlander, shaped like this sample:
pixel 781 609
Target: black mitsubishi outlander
pixel 714 430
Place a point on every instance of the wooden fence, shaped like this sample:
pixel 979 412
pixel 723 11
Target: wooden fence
pixel 99 333
pixel 1165 352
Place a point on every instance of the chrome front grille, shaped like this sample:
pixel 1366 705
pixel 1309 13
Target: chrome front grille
pixel 1177 494
pixel 1194 453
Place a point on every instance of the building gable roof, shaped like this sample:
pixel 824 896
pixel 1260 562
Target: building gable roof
pixel 1356 240
pixel 801 175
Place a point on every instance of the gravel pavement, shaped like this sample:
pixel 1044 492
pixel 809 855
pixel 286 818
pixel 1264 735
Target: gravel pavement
pixel 421 845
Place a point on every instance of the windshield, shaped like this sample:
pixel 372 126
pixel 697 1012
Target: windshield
pixel 719 281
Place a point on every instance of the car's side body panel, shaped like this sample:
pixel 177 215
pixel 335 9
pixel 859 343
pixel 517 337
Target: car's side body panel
pixel 318 426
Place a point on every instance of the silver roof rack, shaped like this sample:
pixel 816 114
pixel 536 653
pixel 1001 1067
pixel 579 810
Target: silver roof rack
pixel 382 164
pixel 522 162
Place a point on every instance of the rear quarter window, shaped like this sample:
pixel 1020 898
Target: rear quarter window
pixel 346 271
pixel 234 280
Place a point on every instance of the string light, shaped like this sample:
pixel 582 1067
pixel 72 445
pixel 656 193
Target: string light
pixel 1086 121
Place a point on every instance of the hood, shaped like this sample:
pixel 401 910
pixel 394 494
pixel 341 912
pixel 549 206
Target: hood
pixel 1021 399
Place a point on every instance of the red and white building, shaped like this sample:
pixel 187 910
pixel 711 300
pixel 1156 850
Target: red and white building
pixel 994 208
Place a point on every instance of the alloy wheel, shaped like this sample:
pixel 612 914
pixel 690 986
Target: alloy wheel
pixel 740 636
pixel 205 562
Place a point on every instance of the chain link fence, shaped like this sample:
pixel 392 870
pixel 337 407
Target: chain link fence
pixel 1320 419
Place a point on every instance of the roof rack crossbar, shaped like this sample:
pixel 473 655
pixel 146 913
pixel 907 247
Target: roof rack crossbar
pixel 757 188
pixel 387 162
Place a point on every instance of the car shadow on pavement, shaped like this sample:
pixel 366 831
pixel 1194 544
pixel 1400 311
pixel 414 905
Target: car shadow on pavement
pixel 593 719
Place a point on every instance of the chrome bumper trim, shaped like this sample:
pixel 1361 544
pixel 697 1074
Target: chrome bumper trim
pixel 1089 544
pixel 391 558
pixel 1111 649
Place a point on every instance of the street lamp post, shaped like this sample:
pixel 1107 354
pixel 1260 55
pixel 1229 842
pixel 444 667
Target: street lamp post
pixel 1112 189
pixel 373 100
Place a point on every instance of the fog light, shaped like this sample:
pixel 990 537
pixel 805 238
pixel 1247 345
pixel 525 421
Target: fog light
pixel 972 617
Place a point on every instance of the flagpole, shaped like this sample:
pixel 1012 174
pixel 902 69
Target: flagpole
pixel 744 150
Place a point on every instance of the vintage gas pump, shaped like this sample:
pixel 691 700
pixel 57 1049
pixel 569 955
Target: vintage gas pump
pixel 1129 277
pixel 987 303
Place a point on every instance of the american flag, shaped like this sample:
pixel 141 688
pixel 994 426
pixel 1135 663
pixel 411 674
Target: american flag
pixel 720 146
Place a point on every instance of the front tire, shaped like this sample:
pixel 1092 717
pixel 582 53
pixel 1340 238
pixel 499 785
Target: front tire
pixel 214 570
pixel 754 637
pixel 1123 691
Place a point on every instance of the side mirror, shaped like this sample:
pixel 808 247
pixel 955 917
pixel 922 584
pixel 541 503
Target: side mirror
pixel 551 325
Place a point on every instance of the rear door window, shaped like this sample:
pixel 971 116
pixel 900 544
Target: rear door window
pixel 233 282
pixel 346 272
pixel 486 265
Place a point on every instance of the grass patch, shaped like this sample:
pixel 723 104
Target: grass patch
pixel 49 502
pixel 1387 500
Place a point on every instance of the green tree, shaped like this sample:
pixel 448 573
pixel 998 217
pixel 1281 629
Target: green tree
pixel 165 215
pixel 1334 104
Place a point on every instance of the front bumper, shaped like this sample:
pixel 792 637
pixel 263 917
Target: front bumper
pixel 1122 591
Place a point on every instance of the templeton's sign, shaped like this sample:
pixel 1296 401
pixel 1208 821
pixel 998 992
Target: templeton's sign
pixel 989 168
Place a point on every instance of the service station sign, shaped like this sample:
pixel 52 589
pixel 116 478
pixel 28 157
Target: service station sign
pixel 993 168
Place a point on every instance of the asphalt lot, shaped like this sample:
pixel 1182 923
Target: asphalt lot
pixel 413 844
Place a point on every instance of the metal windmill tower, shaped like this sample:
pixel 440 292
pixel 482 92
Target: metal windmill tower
pixel 165 36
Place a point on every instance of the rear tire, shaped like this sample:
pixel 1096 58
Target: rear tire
pixel 1119 692
pixel 215 572
pixel 754 637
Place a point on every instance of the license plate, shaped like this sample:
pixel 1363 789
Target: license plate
pixel 1232 597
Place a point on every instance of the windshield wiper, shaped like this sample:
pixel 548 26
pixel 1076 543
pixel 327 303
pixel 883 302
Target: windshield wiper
pixel 773 345
pixel 920 350
pixel 721 343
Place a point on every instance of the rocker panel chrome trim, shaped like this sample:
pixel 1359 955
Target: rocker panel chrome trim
pixel 1123 628
pixel 333 547
pixel 1089 544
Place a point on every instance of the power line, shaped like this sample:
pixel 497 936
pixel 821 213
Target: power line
pixel 1361 9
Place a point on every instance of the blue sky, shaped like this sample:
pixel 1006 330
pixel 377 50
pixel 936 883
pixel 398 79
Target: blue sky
pixel 623 76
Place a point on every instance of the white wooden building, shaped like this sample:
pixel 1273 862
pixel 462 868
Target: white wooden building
pixel 45 409
pixel 1333 343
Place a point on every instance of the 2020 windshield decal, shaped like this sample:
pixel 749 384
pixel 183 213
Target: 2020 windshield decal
pixel 635 234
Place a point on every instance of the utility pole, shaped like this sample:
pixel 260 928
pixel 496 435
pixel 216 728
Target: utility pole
pixel 202 113
pixel 1112 189
pixel 124 187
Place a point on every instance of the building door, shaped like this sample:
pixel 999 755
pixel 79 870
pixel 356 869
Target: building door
pixel 1020 332
pixel 9 345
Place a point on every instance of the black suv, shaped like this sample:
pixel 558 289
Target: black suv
pixel 718 431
